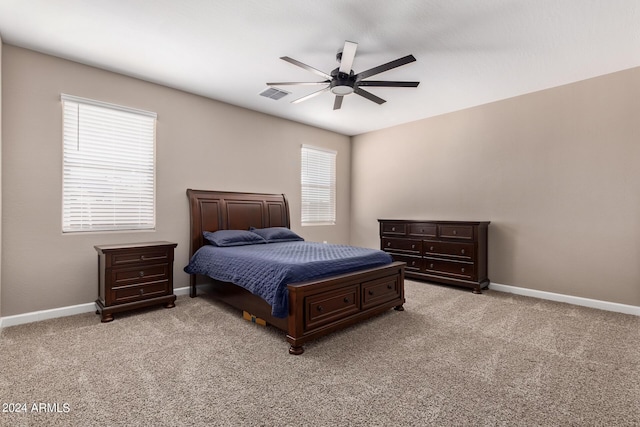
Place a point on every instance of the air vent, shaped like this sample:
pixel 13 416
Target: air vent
pixel 274 93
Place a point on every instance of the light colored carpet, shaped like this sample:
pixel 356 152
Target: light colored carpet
pixel 451 358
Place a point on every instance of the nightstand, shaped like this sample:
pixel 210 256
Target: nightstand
pixel 133 276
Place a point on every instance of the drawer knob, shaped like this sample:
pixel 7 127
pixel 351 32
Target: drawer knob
pixel 141 274
pixel 346 300
pixel 388 244
pixel 141 257
pixel 462 269
pixel 462 252
pixel 141 291
pixel 393 229
pixel 413 246
pixel 455 232
pixel 320 308
pixel 370 292
pixel 430 265
pixel 431 248
pixel 413 263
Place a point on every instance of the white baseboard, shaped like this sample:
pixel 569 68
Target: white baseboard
pixel 586 302
pixel 36 316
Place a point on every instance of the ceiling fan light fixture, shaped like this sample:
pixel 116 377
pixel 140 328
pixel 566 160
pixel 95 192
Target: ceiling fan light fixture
pixel 342 90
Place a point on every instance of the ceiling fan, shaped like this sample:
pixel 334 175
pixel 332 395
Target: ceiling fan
pixel 342 81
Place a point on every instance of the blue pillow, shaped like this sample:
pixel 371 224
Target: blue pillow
pixel 232 238
pixel 277 234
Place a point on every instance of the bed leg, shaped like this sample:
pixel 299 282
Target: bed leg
pixel 398 308
pixel 193 292
pixel 296 350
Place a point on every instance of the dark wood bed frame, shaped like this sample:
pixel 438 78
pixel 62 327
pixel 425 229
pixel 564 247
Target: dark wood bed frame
pixel 316 307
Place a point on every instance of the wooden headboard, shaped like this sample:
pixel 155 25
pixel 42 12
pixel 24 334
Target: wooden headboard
pixel 222 210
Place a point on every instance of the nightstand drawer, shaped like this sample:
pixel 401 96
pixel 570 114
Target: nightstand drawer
pixel 139 292
pixel 139 275
pixel 140 256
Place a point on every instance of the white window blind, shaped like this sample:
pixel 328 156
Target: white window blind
pixel 318 179
pixel 108 167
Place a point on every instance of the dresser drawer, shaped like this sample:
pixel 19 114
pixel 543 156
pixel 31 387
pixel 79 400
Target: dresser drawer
pixel 138 275
pixel 413 263
pixel 132 293
pixel 327 308
pixel 462 232
pixel 393 228
pixel 376 292
pixel 402 245
pixel 422 229
pixel 139 256
pixel 461 270
pixel 461 251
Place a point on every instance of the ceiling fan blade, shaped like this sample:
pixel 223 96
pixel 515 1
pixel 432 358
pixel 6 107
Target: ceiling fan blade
pixel 369 96
pixel 382 83
pixel 311 95
pixel 298 83
pixel 338 102
pixel 348 54
pixel 385 67
pixel 306 67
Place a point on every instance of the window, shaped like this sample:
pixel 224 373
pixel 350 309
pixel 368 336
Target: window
pixel 108 167
pixel 318 186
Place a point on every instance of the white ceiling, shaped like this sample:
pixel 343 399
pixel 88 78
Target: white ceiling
pixel 469 52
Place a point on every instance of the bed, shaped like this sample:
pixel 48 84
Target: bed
pixel 314 307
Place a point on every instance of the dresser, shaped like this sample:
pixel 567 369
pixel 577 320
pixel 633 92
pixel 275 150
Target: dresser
pixel 133 276
pixel 449 252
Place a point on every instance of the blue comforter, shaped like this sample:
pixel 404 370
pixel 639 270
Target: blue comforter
pixel 265 270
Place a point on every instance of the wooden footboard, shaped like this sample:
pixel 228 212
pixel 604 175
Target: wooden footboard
pixel 320 307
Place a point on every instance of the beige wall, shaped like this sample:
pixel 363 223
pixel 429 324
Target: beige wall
pixel 201 144
pixel 556 172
